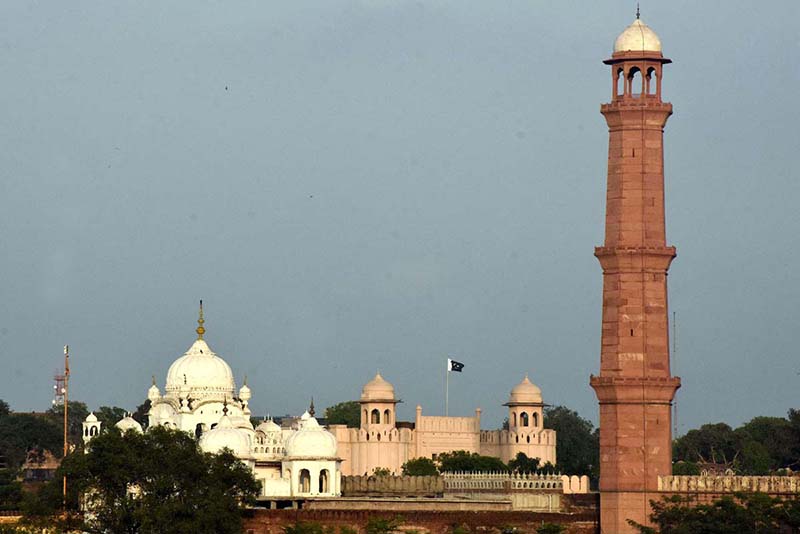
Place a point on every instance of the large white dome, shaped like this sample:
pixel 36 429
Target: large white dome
pixel 311 441
pixel 202 373
pixel 638 37
pixel 226 436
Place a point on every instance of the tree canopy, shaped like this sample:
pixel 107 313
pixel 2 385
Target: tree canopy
pixel 345 413
pixel 759 447
pixel 742 513
pixel 466 461
pixel 158 482
pixel 577 442
pixel 420 467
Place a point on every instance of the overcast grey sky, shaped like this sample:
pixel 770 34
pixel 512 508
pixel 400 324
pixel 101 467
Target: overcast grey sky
pixel 354 185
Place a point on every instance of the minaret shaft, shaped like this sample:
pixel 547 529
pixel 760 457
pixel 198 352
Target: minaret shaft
pixel 634 387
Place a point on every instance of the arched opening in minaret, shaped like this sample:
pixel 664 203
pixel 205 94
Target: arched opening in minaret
pixel 635 82
pixel 515 419
pixel 523 419
pixel 198 430
pixel 387 419
pixel 652 81
pixel 376 417
pixel 619 83
pixel 535 420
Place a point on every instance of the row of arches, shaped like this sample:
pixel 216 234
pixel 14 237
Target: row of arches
pixel 374 417
pixel 323 481
pixel 524 419
pixel 634 84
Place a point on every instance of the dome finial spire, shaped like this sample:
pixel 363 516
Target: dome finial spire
pixel 200 321
pixel 637 11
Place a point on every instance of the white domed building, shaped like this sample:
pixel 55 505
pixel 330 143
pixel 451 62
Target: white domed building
pixel 200 398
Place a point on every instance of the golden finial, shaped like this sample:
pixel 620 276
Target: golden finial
pixel 154 380
pixel 200 330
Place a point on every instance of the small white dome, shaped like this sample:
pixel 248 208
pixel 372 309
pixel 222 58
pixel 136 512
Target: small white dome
pixel 244 392
pixel 226 436
pixel 526 392
pixel 91 418
pixel 128 423
pixel 638 37
pixel 311 441
pixel 377 389
pixel 153 393
pixel 200 374
pixel 268 427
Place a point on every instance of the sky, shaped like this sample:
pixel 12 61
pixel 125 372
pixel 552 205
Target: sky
pixel 364 185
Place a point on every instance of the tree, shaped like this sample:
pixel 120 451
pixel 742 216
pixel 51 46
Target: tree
pixel 577 442
pixel 5 409
pixel 420 467
pixel 154 482
pixel 522 464
pixel 140 415
pixel 470 462
pixel 345 413
pixel 20 432
pixel 381 472
pixel 685 468
pixel 110 415
pixel 740 513
pixel 76 415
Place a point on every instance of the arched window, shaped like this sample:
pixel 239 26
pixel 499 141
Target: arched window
pixel 85 431
pixel 652 81
pixel 523 419
pixel 93 431
pixel 535 420
pixel 619 83
pixel 514 416
pixel 323 481
pixel 366 417
pixel 635 80
pixel 305 481
pixel 528 438
pixel 387 419
pixel 198 430
pixel 376 417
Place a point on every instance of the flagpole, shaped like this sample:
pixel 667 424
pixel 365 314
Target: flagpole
pixel 447 388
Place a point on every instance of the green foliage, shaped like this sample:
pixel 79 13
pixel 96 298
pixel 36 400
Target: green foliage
pixel 577 444
pixel 75 415
pixel 10 490
pixel 382 525
pixel 304 527
pixel 420 467
pixel 154 482
pixel 20 432
pixel 5 409
pixel 381 472
pixel 140 415
pixel 759 447
pixel 345 413
pixel 460 529
pixel 344 529
pixel 466 461
pixel 109 415
pixel 551 528
pixel 740 514
pixel 685 468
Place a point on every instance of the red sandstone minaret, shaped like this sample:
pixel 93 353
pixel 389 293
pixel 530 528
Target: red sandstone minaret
pixel 635 388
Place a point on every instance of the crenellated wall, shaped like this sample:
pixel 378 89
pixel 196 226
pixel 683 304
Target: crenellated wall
pixel 727 484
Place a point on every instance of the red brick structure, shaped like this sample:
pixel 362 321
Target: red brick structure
pixel 634 388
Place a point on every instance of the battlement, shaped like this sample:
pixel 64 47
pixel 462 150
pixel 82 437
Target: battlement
pixel 729 484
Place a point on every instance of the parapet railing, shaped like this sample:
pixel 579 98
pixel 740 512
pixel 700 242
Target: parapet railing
pixel 729 484
pixel 505 482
